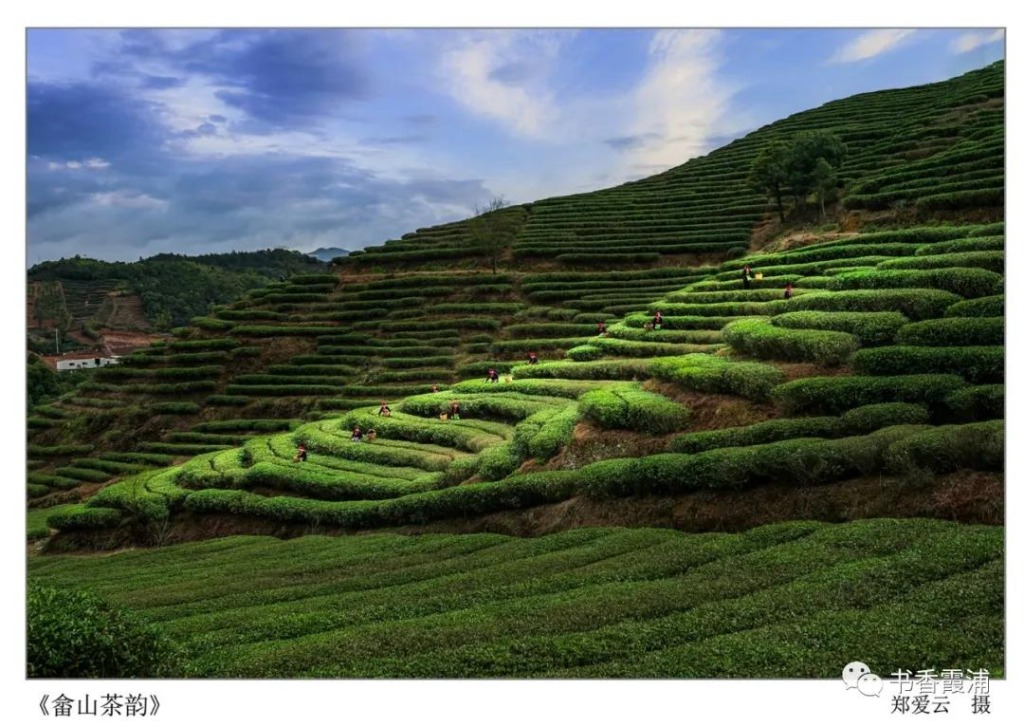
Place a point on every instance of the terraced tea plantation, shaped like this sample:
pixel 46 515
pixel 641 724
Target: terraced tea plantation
pixel 782 600
pixel 720 474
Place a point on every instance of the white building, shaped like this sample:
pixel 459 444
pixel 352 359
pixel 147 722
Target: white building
pixel 73 364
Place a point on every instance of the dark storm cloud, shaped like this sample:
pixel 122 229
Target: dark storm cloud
pixel 244 203
pixel 83 120
pixel 278 77
pixel 109 179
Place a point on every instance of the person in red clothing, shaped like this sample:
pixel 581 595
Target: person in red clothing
pixel 301 455
pixel 531 357
pixel 789 291
pixel 492 376
pixel 454 409
pixel 601 328
pixel 657 319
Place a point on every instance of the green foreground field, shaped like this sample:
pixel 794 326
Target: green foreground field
pixel 796 599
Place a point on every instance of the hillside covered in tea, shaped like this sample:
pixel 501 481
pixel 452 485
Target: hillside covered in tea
pixel 749 446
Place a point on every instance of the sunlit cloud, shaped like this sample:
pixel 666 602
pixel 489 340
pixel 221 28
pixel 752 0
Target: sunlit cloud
pixel 870 44
pixel 969 41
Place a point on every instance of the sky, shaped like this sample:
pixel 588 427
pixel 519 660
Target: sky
pixel 142 141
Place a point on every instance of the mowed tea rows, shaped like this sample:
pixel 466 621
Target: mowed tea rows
pixel 788 600
pixel 850 374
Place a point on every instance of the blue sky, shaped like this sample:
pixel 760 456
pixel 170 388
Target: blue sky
pixel 148 141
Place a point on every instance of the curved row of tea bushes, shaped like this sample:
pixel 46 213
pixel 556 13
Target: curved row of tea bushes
pixel 965 282
pixel 630 407
pixel 838 394
pixel 871 329
pixel 977 364
pixel 759 338
pixel 714 375
pixel 953 332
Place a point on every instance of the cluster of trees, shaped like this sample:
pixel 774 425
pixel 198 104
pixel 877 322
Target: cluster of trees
pixel 173 288
pixel 806 164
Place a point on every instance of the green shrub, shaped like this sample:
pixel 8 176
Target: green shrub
pixel 84 517
pixel 915 303
pixel 681 323
pixel 761 433
pixel 987 307
pixel 759 338
pixel 872 417
pixel 507 406
pixel 977 364
pixel 643 349
pixel 84 474
pixel 497 462
pixel 967 244
pixel 977 446
pixel 993 197
pixel 977 403
pixel 75 635
pixel 953 332
pixel 480 368
pixel 987 260
pixel 211 324
pixel 662 335
pixel 37 491
pixel 568 389
pixel 837 251
pixel 629 407
pixel 543 434
pixel 837 394
pixel 585 352
pixel 714 375
pixel 543 344
pixel 793 462
pixel 59 450
pixel 61 483
pixel 620 369
pixel 966 282
pixel 871 329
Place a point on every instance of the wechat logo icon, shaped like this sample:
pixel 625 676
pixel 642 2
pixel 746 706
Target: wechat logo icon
pixel 857 675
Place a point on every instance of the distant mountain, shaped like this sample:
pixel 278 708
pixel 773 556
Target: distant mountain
pixel 328 253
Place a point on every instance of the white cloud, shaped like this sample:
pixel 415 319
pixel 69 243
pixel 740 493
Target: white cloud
pixel 870 44
pixel 679 104
pixel 132 199
pixel 969 41
pixel 518 99
pixel 91 163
